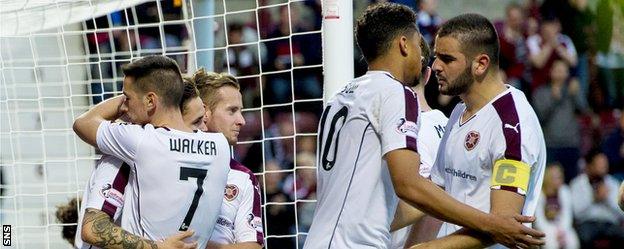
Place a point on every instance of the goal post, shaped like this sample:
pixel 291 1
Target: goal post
pixel 338 43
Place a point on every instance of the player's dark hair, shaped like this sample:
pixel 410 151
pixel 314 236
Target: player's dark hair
pixel 190 92
pixel 380 24
pixel 425 53
pixel 475 34
pixel 66 214
pixel 158 74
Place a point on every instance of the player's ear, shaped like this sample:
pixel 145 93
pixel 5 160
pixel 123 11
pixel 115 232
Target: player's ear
pixel 426 75
pixel 481 64
pixel 403 47
pixel 150 100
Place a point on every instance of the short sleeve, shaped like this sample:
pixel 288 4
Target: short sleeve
pixel 399 119
pixel 120 140
pixel 107 186
pixel 248 224
pixel 518 140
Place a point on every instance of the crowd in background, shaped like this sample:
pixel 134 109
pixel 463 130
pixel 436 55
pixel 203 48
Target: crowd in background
pixel 567 56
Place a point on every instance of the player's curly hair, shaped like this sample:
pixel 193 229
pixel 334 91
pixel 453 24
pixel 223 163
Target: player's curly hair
pixel 380 24
pixel 209 82
pixel 67 213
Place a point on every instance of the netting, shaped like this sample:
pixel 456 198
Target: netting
pixel 59 58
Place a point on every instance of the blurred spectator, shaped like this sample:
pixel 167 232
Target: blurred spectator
pixel 242 60
pixel 513 50
pixel 610 45
pixel 280 217
pixel 150 36
pixel 284 54
pixel 554 211
pixel 577 21
pixel 547 47
pixel 428 19
pixel 280 148
pixel 613 147
pixel 598 218
pixel 555 105
pixel 532 11
pixel 304 187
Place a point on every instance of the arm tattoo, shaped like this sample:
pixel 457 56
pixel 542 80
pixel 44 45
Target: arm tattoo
pixel 108 235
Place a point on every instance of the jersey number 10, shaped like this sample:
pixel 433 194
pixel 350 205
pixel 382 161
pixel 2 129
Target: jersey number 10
pixel 327 144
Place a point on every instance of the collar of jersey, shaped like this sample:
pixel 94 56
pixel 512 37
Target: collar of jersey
pixel 383 72
pixel 508 90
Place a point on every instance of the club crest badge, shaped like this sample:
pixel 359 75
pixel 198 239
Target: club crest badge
pixel 231 192
pixel 471 141
pixel 111 195
pixel 406 127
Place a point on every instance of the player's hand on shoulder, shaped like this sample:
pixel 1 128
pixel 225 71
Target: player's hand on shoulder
pixel 509 231
pixel 176 241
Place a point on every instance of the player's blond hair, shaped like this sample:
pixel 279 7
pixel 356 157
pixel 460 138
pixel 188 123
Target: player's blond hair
pixel 209 82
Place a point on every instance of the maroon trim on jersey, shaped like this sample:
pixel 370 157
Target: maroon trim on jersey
pixel 510 123
pixel 511 189
pixel 411 114
pixel 119 184
pixel 235 165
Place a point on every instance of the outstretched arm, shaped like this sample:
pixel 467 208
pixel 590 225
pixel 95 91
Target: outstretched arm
pixel 503 202
pixel 98 229
pixel 426 196
pixel 86 125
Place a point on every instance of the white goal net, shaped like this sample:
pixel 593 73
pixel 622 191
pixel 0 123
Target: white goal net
pixel 59 58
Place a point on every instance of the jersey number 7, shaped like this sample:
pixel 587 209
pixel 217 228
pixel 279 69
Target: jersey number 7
pixel 200 174
pixel 342 113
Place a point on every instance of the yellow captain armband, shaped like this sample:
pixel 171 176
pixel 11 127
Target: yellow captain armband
pixel 511 175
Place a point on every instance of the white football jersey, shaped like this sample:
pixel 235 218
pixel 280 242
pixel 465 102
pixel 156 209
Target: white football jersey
pixel 177 178
pixel 432 125
pixel 240 219
pixel 104 191
pixel 505 128
pixel 373 115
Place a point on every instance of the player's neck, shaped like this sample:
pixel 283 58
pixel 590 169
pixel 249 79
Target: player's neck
pixel 388 65
pixel 481 93
pixel 170 118
pixel 420 92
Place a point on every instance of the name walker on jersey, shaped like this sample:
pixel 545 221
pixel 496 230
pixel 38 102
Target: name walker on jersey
pixel 193 146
